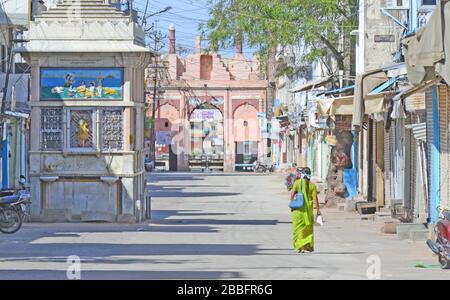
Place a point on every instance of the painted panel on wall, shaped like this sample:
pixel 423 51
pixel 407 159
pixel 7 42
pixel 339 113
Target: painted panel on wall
pixel 81 83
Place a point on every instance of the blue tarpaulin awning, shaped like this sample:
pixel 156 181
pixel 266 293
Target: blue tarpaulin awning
pixel 337 91
pixel 384 86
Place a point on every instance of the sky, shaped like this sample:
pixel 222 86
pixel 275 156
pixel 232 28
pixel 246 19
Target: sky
pixel 186 15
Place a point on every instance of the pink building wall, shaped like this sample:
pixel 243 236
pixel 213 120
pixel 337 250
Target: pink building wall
pixel 210 78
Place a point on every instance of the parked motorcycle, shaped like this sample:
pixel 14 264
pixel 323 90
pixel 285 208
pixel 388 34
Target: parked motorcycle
pixel 13 210
pixel 441 246
pixel 263 167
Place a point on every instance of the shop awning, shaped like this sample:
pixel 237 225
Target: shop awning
pixel 311 85
pixel 344 105
pixel 384 86
pixel 413 96
pixel 365 84
pixel 337 91
pixel 427 53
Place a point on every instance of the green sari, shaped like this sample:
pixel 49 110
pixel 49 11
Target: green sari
pixel 303 218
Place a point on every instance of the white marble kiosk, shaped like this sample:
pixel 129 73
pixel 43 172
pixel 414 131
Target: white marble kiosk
pixel 86 152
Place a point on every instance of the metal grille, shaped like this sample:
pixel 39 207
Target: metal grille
pixel 81 129
pixel 430 137
pixel 112 129
pixel 387 167
pixel 51 129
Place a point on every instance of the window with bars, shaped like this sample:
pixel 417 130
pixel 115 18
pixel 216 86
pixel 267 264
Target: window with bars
pixel 51 129
pixel 112 129
pixel 82 129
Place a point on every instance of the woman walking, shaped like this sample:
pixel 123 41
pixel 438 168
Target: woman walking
pixel 303 218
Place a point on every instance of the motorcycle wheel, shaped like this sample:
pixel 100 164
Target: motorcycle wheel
pixel 445 263
pixel 10 220
pixel 259 169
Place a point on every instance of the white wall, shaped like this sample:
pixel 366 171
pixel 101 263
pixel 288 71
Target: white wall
pixel 17 12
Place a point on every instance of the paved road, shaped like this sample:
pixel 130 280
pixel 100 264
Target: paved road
pixel 213 226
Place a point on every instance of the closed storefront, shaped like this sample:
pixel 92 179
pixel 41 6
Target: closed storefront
pixel 444 140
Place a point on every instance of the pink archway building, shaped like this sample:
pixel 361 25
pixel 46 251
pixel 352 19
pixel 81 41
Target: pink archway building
pixel 212 106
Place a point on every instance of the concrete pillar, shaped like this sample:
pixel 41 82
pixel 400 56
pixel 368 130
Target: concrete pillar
pixel 36 203
pixel 128 75
pixel 198 44
pixel 229 155
pixel 127 200
pixel 183 137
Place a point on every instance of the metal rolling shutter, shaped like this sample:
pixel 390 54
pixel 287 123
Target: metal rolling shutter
pixel 388 138
pixel 373 165
pixel 430 138
pixel 409 172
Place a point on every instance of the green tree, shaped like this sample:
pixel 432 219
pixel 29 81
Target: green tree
pixel 322 26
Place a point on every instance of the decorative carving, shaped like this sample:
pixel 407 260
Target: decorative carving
pixel 52 164
pixel 51 129
pixel 112 129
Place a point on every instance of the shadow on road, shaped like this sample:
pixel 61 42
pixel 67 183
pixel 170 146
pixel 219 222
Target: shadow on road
pixel 116 275
pixel 216 222
pixel 114 249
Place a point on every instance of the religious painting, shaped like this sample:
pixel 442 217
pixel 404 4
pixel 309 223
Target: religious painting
pixel 81 129
pixel 81 83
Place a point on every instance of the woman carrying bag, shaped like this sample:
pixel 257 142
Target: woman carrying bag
pixel 303 211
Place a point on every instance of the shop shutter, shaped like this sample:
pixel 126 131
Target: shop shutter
pixel 430 138
pixel 444 139
pixel 373 161
pixel 388 137
pixel 408 171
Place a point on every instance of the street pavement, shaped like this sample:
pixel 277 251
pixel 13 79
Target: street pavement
pixel 215 226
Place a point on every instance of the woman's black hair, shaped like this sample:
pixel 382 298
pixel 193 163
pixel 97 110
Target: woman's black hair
pixel 307 171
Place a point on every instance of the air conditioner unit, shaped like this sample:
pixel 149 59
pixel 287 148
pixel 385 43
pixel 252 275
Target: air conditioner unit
pixel 397 4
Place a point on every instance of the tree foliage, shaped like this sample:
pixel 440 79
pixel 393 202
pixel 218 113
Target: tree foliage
pixel 322 26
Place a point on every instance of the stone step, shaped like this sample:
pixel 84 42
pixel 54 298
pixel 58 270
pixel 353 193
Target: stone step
pixel 366 208
pixel 419 235
pixel 390 226
pixel 378 218
pixel 385 210
pixel 382 216
pixel 95 216
pixel 404 229
pixel 56 215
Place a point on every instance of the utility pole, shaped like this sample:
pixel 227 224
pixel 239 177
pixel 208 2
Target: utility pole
pixel 157 46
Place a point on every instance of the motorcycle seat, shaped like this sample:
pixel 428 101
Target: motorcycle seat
pixel 9 199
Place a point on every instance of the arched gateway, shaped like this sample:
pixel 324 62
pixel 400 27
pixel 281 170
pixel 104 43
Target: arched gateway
pixel 206 137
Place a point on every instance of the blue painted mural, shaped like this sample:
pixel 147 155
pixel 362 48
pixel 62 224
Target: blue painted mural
pixel 81 83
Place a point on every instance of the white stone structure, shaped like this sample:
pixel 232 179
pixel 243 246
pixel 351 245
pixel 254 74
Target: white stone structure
pixel 86 161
